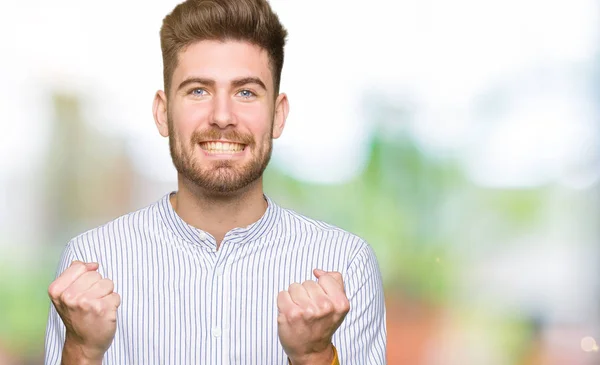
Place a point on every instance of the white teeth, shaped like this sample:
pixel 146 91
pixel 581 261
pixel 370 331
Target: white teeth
pixel 221 147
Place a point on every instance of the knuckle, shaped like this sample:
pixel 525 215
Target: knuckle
pixel 343 305
pixel 99 309
pixel 84 303
pixel 100 312
pixel 112 301
pixel 281 319
pixel 281 297
pixel 68 298
pixel 325 306
pixel 309 313
pixel 294 315
pixel 53 290
pixel 117 299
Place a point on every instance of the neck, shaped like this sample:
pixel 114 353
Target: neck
pixel 218 213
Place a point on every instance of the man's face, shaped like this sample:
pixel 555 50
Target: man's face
pixel 222 115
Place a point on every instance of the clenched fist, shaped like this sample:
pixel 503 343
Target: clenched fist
pixel 309 314
pixel 87 306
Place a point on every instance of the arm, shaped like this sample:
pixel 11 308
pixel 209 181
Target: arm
pixel 309 314
pixel 74 354
pixel 60 348
pixel 82 319
pixel 313 316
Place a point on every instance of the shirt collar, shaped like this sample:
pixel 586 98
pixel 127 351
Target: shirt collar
pixel 195 235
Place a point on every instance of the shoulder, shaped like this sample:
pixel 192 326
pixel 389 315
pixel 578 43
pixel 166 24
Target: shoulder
pixel 126 228
pixel 336 250
pixel 296 224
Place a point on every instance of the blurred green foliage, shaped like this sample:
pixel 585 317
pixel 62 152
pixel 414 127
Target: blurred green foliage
pixel 393 204
pixel 416 211
pixel 24 301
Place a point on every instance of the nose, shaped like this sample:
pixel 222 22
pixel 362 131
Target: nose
pixel 222 114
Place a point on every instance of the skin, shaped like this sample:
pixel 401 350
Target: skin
pixel 309 314
pixel 87 306
pixel 220 91
pixel 219 109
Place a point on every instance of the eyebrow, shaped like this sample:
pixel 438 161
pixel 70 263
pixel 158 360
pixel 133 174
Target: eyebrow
pixel 235 83
pixel 248 80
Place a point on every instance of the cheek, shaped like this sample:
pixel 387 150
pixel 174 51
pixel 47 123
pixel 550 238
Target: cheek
pixel 257 120
pixel 187 118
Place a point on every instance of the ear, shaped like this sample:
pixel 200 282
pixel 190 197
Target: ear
pixel 282 108
pixel 159 109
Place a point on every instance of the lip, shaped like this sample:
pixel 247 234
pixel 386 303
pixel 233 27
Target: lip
pixel 223 155
pixel 221 140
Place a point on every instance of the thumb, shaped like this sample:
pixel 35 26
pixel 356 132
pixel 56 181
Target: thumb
pixel 91 266
pixel 318 272
pixel 333 274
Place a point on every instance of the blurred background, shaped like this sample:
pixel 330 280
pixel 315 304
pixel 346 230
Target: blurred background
pixel 459 138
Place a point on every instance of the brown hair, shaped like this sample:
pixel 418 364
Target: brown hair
pixel 252 21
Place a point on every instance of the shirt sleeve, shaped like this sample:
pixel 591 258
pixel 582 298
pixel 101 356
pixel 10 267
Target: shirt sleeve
pixel 55 329
pixel 361 338
pixel 336 360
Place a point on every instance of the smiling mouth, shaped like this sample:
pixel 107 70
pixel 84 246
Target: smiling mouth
pixel 218 148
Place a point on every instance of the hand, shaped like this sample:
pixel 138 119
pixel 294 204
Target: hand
pixel 309 314
pixel 87 306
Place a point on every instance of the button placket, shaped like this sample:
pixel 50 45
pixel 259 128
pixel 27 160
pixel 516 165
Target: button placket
pixel 220 296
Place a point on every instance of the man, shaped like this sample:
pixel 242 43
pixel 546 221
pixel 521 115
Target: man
pixel 218 273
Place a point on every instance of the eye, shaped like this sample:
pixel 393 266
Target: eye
pixel 246 94
pixel 198 92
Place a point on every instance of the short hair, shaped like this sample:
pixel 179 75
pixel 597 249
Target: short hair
pixel 252 21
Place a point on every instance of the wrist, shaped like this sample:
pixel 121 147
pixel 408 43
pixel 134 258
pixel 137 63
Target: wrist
pixel 75 353
pixel 324 357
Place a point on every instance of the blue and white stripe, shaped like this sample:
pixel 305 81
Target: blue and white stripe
pixel 185 302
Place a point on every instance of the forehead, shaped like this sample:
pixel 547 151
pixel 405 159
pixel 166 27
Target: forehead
pixel 223 62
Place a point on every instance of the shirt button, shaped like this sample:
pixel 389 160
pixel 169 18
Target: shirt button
pixel 216 331
pixel 202 236
pixel 220 271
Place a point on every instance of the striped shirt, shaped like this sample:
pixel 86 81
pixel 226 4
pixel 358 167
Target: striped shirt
pixel 185 302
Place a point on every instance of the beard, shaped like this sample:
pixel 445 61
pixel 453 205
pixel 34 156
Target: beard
pixel 225 176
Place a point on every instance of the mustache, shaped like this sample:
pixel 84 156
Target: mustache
pixel 215 134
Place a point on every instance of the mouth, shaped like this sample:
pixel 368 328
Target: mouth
pixel 222 147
